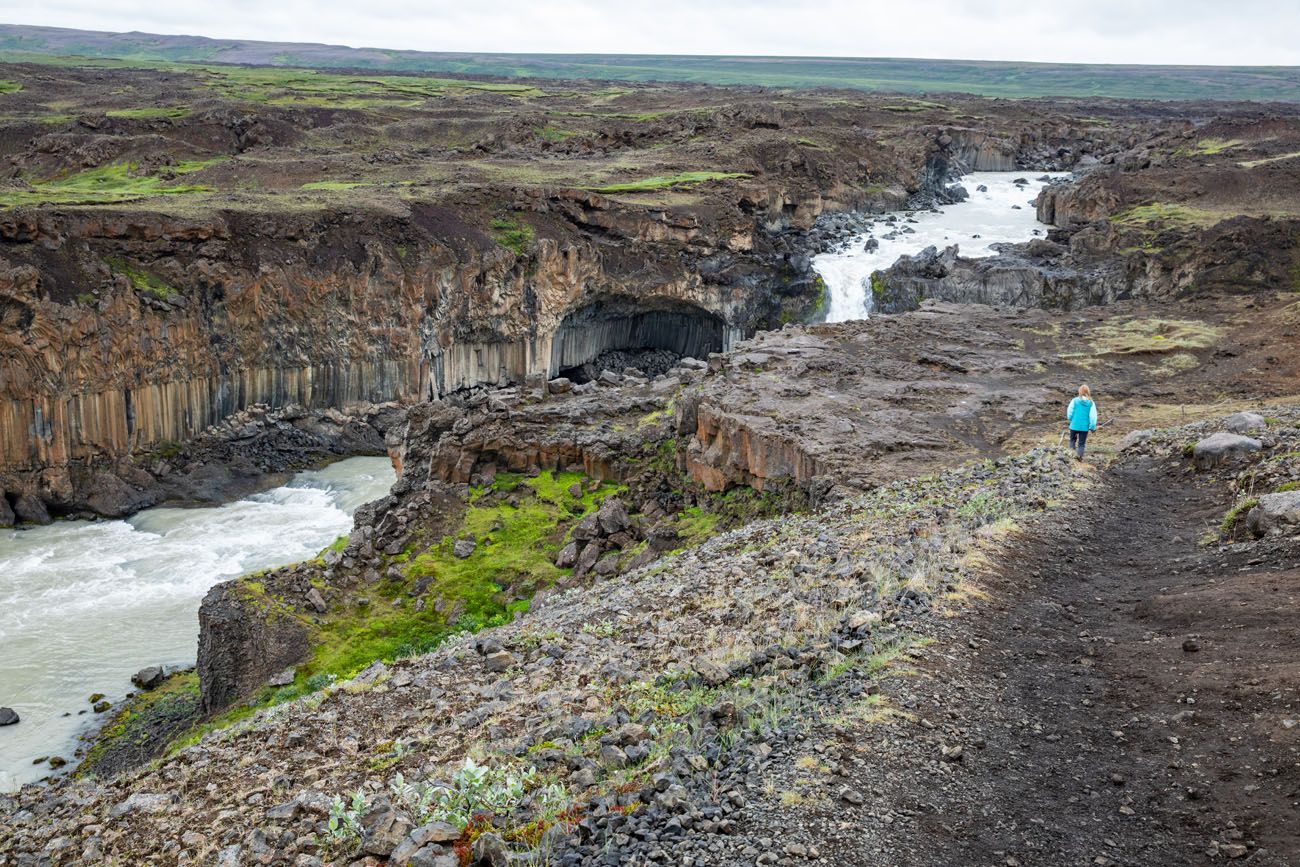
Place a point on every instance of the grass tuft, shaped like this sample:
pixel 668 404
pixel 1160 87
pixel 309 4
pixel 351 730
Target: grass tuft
pixel 663 182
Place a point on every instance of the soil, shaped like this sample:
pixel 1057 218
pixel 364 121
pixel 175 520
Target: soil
pixel 1124 702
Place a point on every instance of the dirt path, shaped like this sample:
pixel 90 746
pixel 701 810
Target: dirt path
pixel 1126 701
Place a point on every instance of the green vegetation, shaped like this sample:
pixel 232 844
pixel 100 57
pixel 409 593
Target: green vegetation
pixel 1233 515
pixel 551 133
pixel 991 78
pixel 1157 215
pixel 663 182
pixel 143 723
pixel 1152 335
pixel 148 112
pixel 118 182
pixel 1250 164
pixel 142 280
pixel 512 234
pixel 1210 146
pixel 306 87
pixel 335 185
pixel 7 86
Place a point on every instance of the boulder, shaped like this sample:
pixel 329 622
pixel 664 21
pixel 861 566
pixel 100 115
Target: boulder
pixel 1244 422
pixel 424 842
pixel 500 661
pixel 1222 448
pixel 282 678
pixel 613 516
pixel 6 512
pixel 561 385
pixel 149 677
pixel 1134 438
pixel 491 851
pixel 29 508
pixel 316 601
pixel 464 548
pixel 568 556
pixel 383 830
pixel 1275 514
pixel 8 716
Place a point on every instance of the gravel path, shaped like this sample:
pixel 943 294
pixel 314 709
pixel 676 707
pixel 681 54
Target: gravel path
pixel 1131 699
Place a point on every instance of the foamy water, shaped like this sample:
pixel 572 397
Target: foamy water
pixel 991 215
pixel 84 605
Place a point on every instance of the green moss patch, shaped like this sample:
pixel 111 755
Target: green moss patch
pixel 143 725
pixel 142 280
pixel 663 182
pixel 512 234
pixel 1153 336
pixel 119 182
pixel 1163 216
pixel 7 86
pixel 149 113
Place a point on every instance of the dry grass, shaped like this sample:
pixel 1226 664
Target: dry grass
pixel 1153 336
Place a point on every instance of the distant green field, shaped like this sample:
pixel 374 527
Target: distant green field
pixel 47 44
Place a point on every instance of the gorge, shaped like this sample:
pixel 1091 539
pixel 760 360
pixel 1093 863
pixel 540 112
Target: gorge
pixel 652 443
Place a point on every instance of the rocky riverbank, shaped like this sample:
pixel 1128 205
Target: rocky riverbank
pixel 692 709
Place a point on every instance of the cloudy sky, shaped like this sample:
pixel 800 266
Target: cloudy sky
pixel 1098 31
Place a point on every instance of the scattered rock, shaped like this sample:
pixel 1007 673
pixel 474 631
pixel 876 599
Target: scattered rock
pixel 464 548
pixel 149 677
pixel 8 716
pixel 1191 645
pixel 500 661
pixel 384 829
pixel 1221 448
pixel 1244 422
pixel 282 678
pixel 316 601
pixel 1275 514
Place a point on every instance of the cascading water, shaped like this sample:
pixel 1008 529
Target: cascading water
pixel 1002 212
pixel 87 604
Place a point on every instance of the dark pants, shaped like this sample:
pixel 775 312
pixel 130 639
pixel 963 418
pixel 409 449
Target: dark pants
pixel 1080 437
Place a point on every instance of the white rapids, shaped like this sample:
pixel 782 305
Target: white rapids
pixel 84 605
pixel 986 218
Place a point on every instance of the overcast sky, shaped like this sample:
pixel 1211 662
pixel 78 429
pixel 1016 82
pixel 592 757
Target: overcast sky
pixel 1097 31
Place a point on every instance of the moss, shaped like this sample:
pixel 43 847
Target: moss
pixel 7 86
pixel 512 234
pixel 335 185
pixel 141 279
pixel 1210 146
pixel 1153 336
pixel 1160 215
pixel 662 182
pixel 149 112
pixel 877 290
pixel 1288 486
pixel 144 723
pixel 119 182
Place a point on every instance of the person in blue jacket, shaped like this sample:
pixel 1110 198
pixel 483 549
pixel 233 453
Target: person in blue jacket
pixel 1082 416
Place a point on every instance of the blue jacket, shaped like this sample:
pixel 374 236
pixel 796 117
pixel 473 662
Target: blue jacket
pixel 1081 414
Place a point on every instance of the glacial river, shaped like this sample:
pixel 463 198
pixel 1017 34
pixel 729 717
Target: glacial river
pixel 1003 212
pixel 84 605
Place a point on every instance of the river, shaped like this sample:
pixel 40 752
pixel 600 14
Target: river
pixel 1002 212
pixel 87 604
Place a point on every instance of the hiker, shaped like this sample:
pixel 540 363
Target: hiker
pixel 1082 416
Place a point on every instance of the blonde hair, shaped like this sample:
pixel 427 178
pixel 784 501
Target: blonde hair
pixel 1084 391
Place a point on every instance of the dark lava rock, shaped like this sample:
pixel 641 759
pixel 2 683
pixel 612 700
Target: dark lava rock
pixel 149 677
pixel 6 512
pixel 8 716
pixel 29 508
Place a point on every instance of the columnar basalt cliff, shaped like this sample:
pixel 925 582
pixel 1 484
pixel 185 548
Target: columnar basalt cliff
pixel 299 248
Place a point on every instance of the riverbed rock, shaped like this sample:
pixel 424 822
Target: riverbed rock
pixel 29 508
pixel 1222 448
pixel 1275 514
pixel 149 677
pixel 6 512
pixel 8 716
